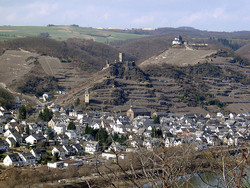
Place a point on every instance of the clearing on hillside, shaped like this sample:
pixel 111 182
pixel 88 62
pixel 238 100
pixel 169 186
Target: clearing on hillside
pixel 179 57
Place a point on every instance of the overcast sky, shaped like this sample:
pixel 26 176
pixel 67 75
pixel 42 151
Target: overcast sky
pixel 213 15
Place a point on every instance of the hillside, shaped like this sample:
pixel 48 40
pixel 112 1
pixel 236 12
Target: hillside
pixel 218 79
pixel 85 54
pixel 219 82
pixel 68 63
pixel 62 33
pixel 142 49
pixel 244 51
pixel 179 80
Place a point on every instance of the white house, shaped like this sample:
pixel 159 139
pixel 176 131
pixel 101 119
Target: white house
pixel 92 147
pixel 60 128
pixel 118 128
pixel 63 139
pixel 27 158
pixel 69 150
pixel 61 152
pixel 12 159
pixel 95 125
pixel 34 139
pixel 71 134
pixel 38 153
pixel 53 122
pixel 12 133
pixel 80 116
pixel 55 164
pixel 169 142
pixel 115 146
pixel 67 163
pixel 11 142
pixel 109 155
pixel 78 148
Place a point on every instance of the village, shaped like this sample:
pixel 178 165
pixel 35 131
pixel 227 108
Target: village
pixel 71 137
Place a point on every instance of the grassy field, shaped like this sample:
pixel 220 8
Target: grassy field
pixel 63 33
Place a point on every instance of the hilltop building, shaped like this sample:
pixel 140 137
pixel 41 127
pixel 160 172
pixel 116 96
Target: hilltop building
pixel 177 40
pixel 87 96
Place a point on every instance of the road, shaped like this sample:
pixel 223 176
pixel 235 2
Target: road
pixel 31 98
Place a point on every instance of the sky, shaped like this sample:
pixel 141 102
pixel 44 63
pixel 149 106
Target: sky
pixel 212 15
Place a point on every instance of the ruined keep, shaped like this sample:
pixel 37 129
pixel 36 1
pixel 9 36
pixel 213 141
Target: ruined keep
pixel 87 96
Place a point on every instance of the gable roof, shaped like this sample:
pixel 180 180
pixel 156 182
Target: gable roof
pixel 28 156
pixel 12 140
pixel 15 157
pixel 3 143
pixel 38 137
pixel 139 110
pixel 15 133
pixel 77 146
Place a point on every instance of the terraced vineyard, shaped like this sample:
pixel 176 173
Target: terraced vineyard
pixel 185 81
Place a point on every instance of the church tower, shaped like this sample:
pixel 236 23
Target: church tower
pixel 87 96
pixel 121 55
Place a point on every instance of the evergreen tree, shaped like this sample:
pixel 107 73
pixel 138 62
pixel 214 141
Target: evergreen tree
pixel 71 126
pixel 156 120
pixel 87 130
pixel 46 115
pixel 116 137
pixel 101 135
pixel 77 102
pixel 27 130
pixel 50 133
pixel 153 132
pixel 156 133
pixel 55 157
pixel 22 112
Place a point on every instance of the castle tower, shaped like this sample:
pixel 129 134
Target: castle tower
pixel 107 63
pixel 87 96
pixel 121 55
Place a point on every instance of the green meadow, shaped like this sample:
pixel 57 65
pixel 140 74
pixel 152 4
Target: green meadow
pixel 64 32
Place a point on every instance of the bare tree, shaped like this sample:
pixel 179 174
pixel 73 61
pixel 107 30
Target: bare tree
pixel 161 167
pixel 229 167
